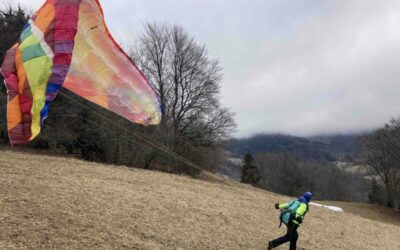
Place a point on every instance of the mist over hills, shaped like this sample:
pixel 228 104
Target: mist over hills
pixel 325 148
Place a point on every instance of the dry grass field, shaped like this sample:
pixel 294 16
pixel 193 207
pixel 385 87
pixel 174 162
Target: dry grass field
pixel 59 203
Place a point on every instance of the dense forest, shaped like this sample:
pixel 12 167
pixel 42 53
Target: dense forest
pixel 321 148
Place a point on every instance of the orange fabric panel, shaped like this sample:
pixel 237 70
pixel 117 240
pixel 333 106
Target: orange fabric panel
pixel 101 100
pixel 20 70
pixel 13 113
pixel 45 18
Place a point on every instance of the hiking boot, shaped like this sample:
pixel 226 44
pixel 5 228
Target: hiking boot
pixel 270 245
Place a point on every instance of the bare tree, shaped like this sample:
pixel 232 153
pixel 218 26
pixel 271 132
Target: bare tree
pixel 382 154
pixel 188 85
pixel 187 82
pixel 283 174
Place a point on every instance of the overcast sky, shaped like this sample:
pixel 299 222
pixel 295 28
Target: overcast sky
pixel 302 67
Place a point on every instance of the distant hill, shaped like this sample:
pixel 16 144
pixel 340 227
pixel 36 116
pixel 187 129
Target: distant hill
pixel 319 148
pixel 342 146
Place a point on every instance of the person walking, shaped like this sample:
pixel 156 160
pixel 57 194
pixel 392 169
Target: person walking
pixel 292 215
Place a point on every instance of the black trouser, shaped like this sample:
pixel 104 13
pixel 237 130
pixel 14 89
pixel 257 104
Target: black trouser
pixel 291 236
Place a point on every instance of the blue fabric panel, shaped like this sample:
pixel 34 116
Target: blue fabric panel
pixel 44 113
pixel 52 88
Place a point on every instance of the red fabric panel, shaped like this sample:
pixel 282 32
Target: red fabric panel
pixel 25 104
pixel 27 90
pixel 65 34
pixel 66 18
pixel 20 134
pixel 49 35
pixel 62 59
pixel 67 2
pixel 8 66
pixel 12 82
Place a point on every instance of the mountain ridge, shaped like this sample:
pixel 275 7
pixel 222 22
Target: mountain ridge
pixel 316 148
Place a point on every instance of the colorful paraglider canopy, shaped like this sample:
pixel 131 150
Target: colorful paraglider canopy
pixel 67 44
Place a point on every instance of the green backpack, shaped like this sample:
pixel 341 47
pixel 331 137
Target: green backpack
pixel 289 212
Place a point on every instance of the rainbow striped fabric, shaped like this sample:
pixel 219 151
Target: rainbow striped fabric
pixel 67 44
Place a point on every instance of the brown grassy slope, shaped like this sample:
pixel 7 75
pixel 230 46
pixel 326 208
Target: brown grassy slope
pixel 58 203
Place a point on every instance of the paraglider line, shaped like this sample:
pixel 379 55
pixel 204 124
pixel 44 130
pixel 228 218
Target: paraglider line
pixel 145 140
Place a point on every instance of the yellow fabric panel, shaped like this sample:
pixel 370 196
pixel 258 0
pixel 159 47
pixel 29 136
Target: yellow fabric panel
pixel 38 71
pixel 29 41
pixel 46 16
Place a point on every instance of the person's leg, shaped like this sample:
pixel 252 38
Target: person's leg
pixel 281 240
pixel 293 237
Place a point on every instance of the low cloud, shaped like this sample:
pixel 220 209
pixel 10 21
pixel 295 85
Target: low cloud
pixel 335 74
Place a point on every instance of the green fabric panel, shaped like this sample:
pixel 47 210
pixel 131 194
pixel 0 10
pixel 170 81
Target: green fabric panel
pixel 26 34
pixel 29 41
pixel 32 52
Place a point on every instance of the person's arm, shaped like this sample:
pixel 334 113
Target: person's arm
pixel 301 211
pixel 283 205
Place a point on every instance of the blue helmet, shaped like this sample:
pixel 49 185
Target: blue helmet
pixel 302 199
pixel 308 196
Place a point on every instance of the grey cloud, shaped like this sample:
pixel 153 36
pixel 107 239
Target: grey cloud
pixel 299 67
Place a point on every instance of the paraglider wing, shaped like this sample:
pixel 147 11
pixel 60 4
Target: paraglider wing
pixel 67 43
pixel 114 83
